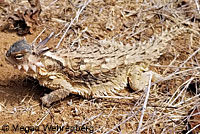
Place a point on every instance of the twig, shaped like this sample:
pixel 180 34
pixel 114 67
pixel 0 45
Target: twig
pixel 72 21
pixel 63 124
pixel 170 66
pixel 41 120
pixel 111 111
pixel 177 73
pixel 193 54
pixel 187 83
pixel 193 129
pixel 197 4
pixel 3 107
pixel 145 104
pixel 171 63
pixel 97 130
pixel 120 123
pixel 58 20
pixel 53 2
pixel 115 97
pixel 90 119
pixel 181 103
pixel 38 36
pixel 185 62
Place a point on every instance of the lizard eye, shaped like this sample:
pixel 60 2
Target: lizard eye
pixel 19 56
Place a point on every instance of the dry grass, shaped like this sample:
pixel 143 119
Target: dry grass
pixel 165 106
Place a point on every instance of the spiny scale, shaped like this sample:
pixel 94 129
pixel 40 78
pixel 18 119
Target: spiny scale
pixel 97 63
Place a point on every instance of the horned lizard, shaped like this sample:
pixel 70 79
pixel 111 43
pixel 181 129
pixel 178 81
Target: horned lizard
pixel 100 68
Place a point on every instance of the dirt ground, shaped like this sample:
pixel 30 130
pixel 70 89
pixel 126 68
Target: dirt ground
pixel 127 21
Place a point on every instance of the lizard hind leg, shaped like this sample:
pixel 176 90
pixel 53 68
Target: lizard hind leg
pixel 139 75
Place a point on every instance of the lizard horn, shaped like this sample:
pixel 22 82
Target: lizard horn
pixel 41 47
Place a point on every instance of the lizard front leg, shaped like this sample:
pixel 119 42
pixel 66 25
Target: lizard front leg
pixel 61 88
pixel 54 96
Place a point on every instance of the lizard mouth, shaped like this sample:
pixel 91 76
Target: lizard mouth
pixel 30 66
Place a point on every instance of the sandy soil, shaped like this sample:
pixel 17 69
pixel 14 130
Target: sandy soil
pixel 125 21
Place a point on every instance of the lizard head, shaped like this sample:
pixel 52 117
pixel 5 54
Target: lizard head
pixel 27 57
pixel 18 54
